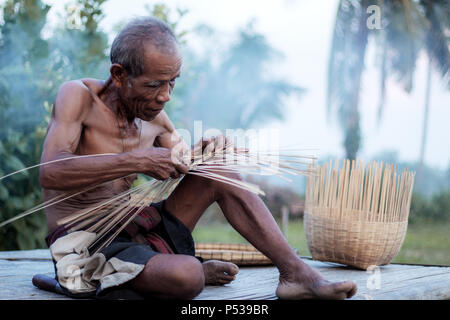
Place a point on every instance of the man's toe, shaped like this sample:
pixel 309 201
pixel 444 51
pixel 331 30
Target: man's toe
pixel 230 268
pixel 346 287
pixel 227 277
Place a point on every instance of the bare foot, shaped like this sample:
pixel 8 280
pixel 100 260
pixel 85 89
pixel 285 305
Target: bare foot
pixel 219 272
pixel 309 284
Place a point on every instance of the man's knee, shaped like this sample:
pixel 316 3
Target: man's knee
pixel 171 276
pixel 188 278
pixel 223 188
pixel 213 188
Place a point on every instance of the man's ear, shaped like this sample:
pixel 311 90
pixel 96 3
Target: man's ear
pixel 118 75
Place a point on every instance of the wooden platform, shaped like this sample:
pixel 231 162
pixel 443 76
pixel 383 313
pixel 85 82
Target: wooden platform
pixel 394 281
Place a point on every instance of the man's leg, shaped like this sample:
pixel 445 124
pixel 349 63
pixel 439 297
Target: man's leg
pixel 177 276
pixel 171 276
pixel 247 213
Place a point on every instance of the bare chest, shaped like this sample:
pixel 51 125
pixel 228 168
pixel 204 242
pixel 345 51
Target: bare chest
pixel 103 133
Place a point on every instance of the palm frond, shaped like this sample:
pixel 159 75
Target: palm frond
pixel 436 42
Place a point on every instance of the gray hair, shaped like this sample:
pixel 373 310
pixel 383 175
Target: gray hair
pixel 128 49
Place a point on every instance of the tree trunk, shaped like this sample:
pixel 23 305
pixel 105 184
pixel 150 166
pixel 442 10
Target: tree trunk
pixel 352 139
pixel 420 168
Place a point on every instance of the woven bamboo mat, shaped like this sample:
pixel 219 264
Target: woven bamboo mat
pixel 239 254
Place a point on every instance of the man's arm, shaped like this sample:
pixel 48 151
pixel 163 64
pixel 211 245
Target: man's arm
pixel 169 138
pixel 72 106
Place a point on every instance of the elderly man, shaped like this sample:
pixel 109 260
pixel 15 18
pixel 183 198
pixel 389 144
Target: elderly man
pixel 124 117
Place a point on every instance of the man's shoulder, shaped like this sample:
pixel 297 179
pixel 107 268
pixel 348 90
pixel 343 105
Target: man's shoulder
pixel 75 97
pixel 162 120
pixel 83 88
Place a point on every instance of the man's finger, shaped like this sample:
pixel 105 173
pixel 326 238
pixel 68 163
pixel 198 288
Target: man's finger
pixel 219 146
pixel 174 174
pixel 229 142
pixel 229 145
pixel 220 143
pixel 182 168
pixel 209 148
pixel 206 141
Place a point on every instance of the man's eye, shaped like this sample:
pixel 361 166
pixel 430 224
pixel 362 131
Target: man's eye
pixel 172 82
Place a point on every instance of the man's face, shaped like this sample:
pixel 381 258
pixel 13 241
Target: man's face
pixel 146 95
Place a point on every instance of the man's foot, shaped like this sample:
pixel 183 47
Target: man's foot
pixel 309 284
pixel 219 272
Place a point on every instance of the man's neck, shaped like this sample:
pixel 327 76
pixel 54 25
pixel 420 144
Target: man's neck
pixel 111 98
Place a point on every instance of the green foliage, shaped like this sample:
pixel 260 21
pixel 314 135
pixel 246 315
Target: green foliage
pixel 31 70
pixel 80 48
pixel 442 205
pixel 434 209
pixel 23 54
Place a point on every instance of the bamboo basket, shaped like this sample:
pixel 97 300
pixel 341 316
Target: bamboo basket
pixel 239 254
pixel 357 215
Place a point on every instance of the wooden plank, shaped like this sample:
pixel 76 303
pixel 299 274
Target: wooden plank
pixel 38 254
pixel 14 268
pixel 15 279
pixel 421 284
pixel 250 283
pixel 395 281
pixel 23 289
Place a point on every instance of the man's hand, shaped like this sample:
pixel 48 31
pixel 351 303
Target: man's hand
pixel 161 164
pixel 219 146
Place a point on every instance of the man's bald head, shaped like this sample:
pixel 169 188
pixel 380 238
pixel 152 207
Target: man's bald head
pixel 128 48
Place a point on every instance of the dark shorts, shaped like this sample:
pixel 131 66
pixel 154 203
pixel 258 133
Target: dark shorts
pixel 153 231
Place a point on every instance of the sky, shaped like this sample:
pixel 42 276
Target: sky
pixel 302 32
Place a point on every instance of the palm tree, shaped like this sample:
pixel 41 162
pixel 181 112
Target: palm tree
pixel 407 28
pixel 437 46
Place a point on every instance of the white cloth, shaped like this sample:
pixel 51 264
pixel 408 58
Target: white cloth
pixel 80 273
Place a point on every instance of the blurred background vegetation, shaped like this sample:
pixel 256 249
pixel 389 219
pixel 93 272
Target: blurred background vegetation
pixel 33 66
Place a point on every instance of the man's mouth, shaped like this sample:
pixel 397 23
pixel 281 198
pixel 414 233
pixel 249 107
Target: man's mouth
pixel 156 109
pixel 151 112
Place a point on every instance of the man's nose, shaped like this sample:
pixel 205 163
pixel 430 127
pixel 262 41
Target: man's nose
pixel 164 94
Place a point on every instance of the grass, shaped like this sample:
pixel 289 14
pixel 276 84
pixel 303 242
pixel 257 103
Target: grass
pixel 425 243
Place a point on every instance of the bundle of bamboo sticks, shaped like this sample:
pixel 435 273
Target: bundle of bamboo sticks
pixel 107 218
pixel 357 191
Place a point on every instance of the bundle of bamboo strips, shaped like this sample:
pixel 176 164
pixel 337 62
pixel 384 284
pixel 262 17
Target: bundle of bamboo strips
pixel 357 215
pixel 107 218
pixel 211 166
